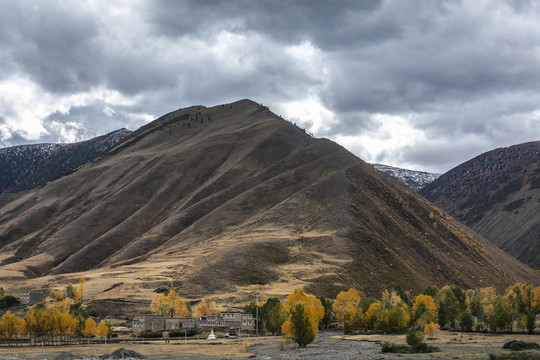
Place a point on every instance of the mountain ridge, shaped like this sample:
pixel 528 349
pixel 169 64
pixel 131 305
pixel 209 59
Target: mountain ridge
pixel 229 199
pixel 497 194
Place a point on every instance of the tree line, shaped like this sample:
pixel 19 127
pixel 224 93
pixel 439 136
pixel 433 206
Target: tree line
pixel 60 318
pixel 301 315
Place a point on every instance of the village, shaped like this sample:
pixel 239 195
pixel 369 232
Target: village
pixel 229 323
pixel 226 323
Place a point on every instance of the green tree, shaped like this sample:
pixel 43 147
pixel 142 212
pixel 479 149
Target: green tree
pixel 414 337
pixel 461 297
pixel 502 318
pixel 466 321
pixel 272 315
pixel 276 319
pixel 431 291
pixel 531 321
pixel 394 286
pixel 327 319
pixel 303 332
pixel 252 309
pixel 448 306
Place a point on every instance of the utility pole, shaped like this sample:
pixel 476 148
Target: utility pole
pixel 257 317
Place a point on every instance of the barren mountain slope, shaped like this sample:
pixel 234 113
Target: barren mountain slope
pixel 498 195
pixel 225 200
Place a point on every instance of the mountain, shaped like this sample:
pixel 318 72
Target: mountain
pixel 230 200
pixel 28 166
pixel 498 195
pixel 416 180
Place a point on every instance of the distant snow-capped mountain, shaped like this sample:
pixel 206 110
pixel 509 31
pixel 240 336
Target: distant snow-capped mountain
pixel 25 167
pixel 416 180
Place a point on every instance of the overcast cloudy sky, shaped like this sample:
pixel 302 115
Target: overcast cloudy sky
pixel 418 84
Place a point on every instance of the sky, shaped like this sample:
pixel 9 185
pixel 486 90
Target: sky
pixel 419 84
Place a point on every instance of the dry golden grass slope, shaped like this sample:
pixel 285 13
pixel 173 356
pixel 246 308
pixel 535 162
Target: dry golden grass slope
pixel 229 200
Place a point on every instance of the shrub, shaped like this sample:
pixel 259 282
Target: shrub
pixel 182 333
pixel 388 347
pixel 414 337
pixel 520 345
pixel 8 301
pixel 150 334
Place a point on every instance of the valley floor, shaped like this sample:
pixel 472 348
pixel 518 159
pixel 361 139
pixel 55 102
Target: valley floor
pixel 327 345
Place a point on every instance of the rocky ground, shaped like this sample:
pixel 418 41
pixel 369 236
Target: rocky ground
pixel 327 345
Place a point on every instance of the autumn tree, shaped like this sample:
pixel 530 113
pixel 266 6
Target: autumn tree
pixel 170 305
pixel 431 329
pixel 11 326
pixel 424 309
pixel 102 330
pixel 89 328
pixel 346 308
pixel 162 306
pixel 36 321
pixel 394 315
pixel 306 317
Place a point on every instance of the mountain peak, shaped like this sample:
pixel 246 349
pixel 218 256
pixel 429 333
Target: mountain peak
pixel 215 200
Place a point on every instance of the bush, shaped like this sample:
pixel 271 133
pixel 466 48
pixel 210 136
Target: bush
pixel 182 333
pixel 414 337
pixel 8 301
pixel 520 345
pixel 389 347
pixel 150 334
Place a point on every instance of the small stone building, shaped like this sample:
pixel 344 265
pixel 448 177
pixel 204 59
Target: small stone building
pixel 149 322
pixel 180 323
pixel 31 297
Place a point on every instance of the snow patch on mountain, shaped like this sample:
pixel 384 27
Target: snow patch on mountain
pixel 416 180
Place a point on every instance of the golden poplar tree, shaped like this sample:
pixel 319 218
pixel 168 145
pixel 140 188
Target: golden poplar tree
pixel 309 314
pixel 346 307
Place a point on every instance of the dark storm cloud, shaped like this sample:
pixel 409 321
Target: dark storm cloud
pixel 411 81
pixel 328 23
pixel 54 43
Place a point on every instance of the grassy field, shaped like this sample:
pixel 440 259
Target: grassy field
pixel 224 348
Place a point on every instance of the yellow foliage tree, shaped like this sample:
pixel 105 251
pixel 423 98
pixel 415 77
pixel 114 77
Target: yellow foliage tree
pixel 371 314
pixel 431 329
pixel 89 328
pixel 346 307
pixel 170 305
pixel 161 305
pixel 202 310
pixel 180 309
pixel 425 304
pixel 57 295
pixel 102 330
pixel 536 300
pixel 11 326
pixel 304 312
